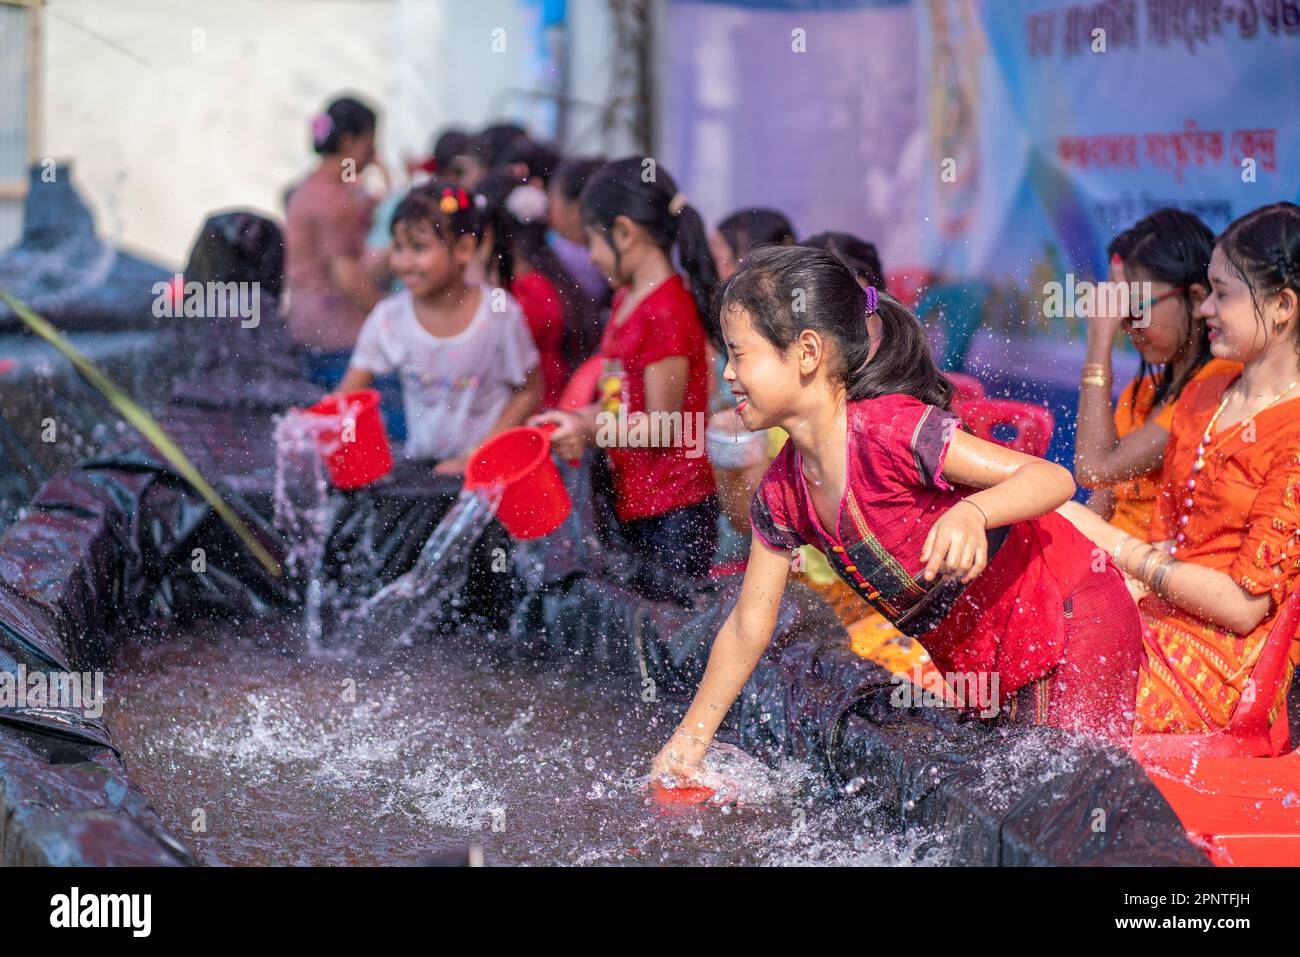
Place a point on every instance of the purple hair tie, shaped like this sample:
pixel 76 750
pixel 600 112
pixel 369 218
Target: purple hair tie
pixel 873 299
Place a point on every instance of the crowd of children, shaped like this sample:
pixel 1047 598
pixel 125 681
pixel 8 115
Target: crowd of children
pixel 508 269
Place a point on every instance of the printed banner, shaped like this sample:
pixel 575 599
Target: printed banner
pixel 1051 126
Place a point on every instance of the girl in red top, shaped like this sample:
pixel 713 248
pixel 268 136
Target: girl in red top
pixel 522 260
pixel 652 419
pixel 951 538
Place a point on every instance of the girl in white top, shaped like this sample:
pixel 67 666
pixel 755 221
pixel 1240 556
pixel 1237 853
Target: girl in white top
pixel 467 361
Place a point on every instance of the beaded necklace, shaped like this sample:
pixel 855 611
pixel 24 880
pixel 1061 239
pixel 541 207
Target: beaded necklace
pixel 1203 447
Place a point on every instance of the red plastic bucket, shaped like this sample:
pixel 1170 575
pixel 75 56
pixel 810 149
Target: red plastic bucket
pixel 355 453
pixel 534 501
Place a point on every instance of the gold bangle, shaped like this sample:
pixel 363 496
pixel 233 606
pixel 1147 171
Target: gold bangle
pixel 1094 367
pixel 1094 379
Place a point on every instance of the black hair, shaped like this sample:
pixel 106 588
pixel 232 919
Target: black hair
pixel 465 214
pixel 539 160
pixel 1171 246
pixel 787 289
pixel 530 240
pixel 1263 247
pixel 449 145
pixel 346 115
pixel 572 175
pixel 238 246
pixel 491 144
pixel 620 188
pixel 858 254
pixel 747 228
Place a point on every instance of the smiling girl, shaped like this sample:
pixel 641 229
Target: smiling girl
pixel 1227 520
pixel 1120 453
pixel 468 364
pixel 951 538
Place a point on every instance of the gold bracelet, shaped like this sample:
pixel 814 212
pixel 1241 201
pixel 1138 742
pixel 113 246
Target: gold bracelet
pixel 1094 380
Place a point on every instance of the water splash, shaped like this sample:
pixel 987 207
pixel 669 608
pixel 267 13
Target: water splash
pixel 305 511
pixel 402 608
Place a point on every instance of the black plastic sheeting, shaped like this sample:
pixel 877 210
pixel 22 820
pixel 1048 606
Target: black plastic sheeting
pixel 109 545
pixel 63 271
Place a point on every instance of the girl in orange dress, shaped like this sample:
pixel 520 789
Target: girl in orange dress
pixel 1120 455
pixel 1227 521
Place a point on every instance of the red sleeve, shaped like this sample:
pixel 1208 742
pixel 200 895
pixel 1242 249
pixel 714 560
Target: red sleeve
pixel 767 514
pixel 672 330
pixel 917 441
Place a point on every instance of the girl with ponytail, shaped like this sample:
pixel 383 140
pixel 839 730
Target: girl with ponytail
pixel 953 539
pixel 654 388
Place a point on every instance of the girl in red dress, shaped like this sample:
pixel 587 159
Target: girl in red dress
pixel 653 353
pixel 953 539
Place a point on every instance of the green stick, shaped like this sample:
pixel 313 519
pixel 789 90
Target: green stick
pixel 146 425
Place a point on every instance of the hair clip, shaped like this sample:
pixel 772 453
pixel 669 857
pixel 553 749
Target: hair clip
pixel 322 125
pixel 448 203
pixel 873 299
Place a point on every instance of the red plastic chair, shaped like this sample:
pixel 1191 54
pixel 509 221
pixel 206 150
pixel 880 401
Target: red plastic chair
pixel 1033 423
pixel 968 387
pixel 907 284
pixel 580 390
pixel 1247 733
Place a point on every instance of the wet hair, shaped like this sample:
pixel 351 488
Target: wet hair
pixel 347 115
pixel 572 175
pixel 772 279
pixel 1171 246
pixel 858 254
pixel 1263 248
pixel 423 204
pixel 529 239
pixel 619 189
pixel 745 229
pixel 238 246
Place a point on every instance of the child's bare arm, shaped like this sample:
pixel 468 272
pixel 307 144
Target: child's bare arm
pixel 1015 487
pixel 354 379
pixel 737 648
pixel 522 404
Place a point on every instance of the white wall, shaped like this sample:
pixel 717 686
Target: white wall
pixel 165 124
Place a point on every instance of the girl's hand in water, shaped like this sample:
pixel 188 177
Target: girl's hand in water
pixel 680 762
pixel 957 544
pixel 569 438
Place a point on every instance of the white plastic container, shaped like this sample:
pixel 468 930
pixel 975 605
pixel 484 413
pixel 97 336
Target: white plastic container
pixel 736 450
